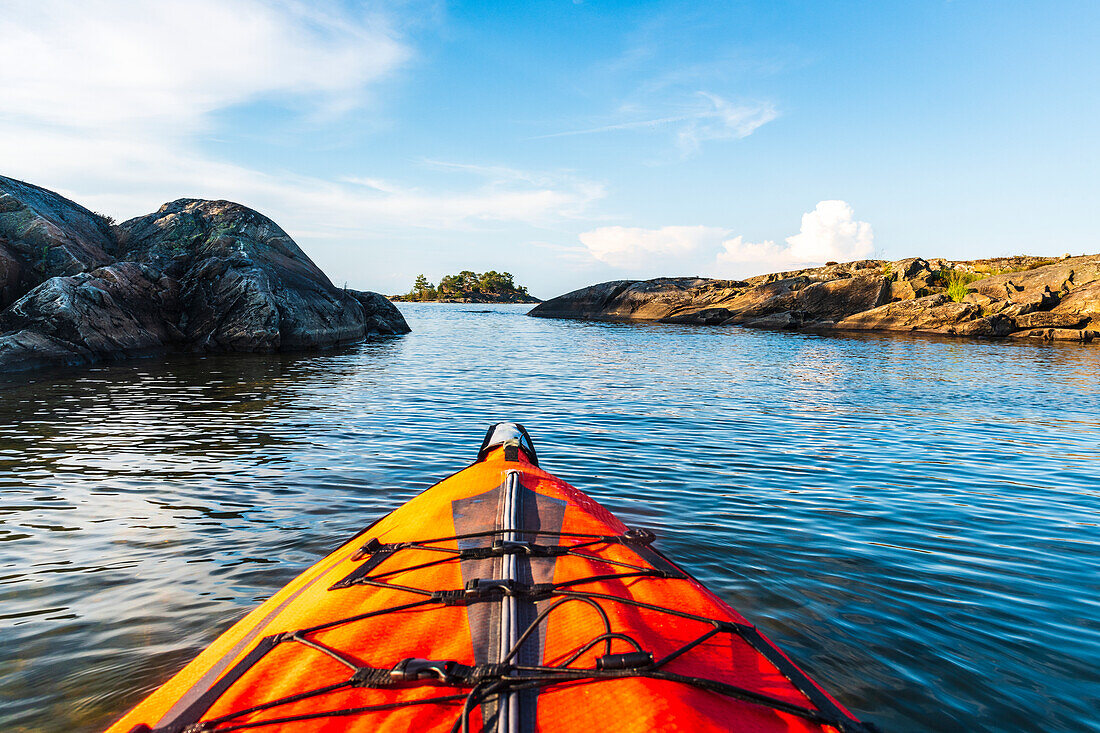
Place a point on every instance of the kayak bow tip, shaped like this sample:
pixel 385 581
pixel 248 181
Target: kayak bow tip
pixel 507 434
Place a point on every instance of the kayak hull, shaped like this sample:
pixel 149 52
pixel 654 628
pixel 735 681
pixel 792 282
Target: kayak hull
pixel 500 599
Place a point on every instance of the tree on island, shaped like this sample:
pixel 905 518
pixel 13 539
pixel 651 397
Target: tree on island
pixel 422 289
pixel 468 281
pixel 466 284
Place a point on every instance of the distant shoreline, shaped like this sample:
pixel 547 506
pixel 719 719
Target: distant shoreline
pixel 467 287
pixel 473 299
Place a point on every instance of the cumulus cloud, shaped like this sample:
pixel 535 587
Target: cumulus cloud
pixel 738 251
pixel 829 232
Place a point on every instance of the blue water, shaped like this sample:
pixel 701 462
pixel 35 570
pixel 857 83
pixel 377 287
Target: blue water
pixel 916 521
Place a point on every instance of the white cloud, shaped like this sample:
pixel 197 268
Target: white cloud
pixel 634 248
pixel 108 101
pixel 164 66
pixel 829 232
pixel 738 251
pixel 377 184
pixel 725 121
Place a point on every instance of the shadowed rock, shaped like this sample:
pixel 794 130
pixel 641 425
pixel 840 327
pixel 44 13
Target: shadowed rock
pixel 591 302
pixel 806 301
pixel 1058 334
pixel 380 316
pixel 1041 287
pixel 993 326
pixel 125 309
pixel 196 275
pixel 246 285
pixel 1050 319
pixel 42 235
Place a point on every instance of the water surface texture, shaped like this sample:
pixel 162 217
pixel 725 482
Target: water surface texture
pixel 916 521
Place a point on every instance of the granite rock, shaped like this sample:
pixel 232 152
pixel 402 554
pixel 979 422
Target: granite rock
pixel 124 309
pixel 1002 296
pixel 196 275
pixel 43 234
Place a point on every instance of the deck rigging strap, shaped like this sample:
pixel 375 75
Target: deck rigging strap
pixel 506 678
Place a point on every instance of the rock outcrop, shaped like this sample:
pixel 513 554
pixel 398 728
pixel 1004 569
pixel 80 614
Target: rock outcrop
pixel 1020 296
pixel 196 275
pixel 125 309
pixel 43 235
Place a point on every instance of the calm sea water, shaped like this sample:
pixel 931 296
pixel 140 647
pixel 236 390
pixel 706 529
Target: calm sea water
pixel 916 521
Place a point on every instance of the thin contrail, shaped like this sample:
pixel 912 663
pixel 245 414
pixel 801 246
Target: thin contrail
pixel 625 126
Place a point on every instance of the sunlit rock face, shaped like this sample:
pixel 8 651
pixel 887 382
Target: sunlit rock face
pixel 1052 299
pixel 196 275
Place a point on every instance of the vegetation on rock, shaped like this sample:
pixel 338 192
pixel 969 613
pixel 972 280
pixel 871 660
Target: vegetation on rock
pixel 956 282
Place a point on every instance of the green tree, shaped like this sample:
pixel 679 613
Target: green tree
pixel 496 282
pixel 422 289
pixel 488 283
pixel 450 284
pixel 469 280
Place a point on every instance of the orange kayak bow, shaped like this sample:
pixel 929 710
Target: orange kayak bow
pixel 500 599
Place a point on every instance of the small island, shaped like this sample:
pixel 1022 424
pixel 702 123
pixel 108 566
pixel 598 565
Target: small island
pixel 468 287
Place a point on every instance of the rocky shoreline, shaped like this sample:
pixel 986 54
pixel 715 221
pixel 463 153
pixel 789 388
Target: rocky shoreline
pixel 196 275
pixel 1015 297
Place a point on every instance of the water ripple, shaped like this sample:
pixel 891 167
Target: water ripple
pixel 913 519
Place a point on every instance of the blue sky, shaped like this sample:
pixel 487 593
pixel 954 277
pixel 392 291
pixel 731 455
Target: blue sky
pixel 572 142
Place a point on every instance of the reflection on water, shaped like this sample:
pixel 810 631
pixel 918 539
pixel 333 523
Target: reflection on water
pixel 916 520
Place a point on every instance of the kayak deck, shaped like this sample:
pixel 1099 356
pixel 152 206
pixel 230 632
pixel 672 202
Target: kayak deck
pixel 500 599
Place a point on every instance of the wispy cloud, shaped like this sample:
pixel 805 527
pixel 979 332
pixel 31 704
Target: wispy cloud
pixel 500 174
pixel 639 124
pixel 104 104
pixel 376 183
pixel 724 122
pixel 125 177
pixel 113 101
pixel 164 67
pixel 705 117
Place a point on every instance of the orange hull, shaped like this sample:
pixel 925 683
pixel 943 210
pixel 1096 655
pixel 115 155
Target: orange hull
pixel 500 599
